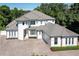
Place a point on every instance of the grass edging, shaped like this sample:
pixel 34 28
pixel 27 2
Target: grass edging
pixel 64 48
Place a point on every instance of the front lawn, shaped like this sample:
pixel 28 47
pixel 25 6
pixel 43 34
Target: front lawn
pixel 64 48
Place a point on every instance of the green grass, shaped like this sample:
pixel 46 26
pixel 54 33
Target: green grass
pixel 64 48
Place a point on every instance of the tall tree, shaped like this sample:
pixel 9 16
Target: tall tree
pixel 7 15
pixel 5 10
pixel 66 14
pixel 74 11
pixel 55 10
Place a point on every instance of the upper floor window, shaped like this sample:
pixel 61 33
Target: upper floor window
pixel 26 22
pixel 55 41
pixel 32 23
pixel 14 33
pixel 41 22
pixel 23 23
pixel 53 20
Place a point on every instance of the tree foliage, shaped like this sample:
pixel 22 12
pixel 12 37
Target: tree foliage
pixel 66 14
pixel 7 15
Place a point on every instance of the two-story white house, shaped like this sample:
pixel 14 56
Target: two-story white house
pixel 38 25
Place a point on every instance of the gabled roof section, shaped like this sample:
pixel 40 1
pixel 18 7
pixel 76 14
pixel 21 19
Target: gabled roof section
pixel 56 30
pixel 34 15
pixel 12 26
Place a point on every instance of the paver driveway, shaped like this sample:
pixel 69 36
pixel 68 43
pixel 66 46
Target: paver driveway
pixel 30 47
pixel 25 47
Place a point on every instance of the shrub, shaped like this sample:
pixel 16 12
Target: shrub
pixel 64 48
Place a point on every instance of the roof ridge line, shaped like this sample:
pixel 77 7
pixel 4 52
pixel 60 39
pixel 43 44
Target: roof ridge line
pixel 26 17
pixel 36 14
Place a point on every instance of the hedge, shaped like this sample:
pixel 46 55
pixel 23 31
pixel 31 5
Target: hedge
pixel 64 48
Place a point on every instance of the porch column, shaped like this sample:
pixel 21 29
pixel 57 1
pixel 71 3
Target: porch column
pixel 20 34
pixel 27 35
pixel 39 34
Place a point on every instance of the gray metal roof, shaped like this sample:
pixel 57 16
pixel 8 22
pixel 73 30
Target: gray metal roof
pixel 34 15
pixel 56 30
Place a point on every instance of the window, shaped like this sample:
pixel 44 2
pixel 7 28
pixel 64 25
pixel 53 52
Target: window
pixel 32 32
pixel 32 22
pixel 72 40
pixel 53 20
pixel 55 41
pixel 14 33
pixel 9 33
pixel 69 40
pixel 66 40
pixel 17 24
pixel 41 22
pixel 26 22
pixel 23 23
pixel 45 22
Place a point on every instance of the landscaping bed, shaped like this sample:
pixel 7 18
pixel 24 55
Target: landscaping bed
pixel 64 48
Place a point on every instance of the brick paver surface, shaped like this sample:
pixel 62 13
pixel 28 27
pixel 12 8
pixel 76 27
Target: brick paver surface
pixel 29 47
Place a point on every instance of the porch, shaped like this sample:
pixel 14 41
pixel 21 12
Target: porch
pixel 32 34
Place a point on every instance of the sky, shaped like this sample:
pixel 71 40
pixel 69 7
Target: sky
pixel 24 6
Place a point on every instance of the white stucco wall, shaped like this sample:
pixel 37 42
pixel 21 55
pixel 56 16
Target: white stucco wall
pixel 75 40
pixel 51 21
pixel 10 35
pixel 3 33
pixel 21 28
pixel 62 42
pixel 39 35
pixel 56 45
pixel 7 34
pixel 43 22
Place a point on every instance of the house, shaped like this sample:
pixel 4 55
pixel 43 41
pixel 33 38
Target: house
pixel 38 25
